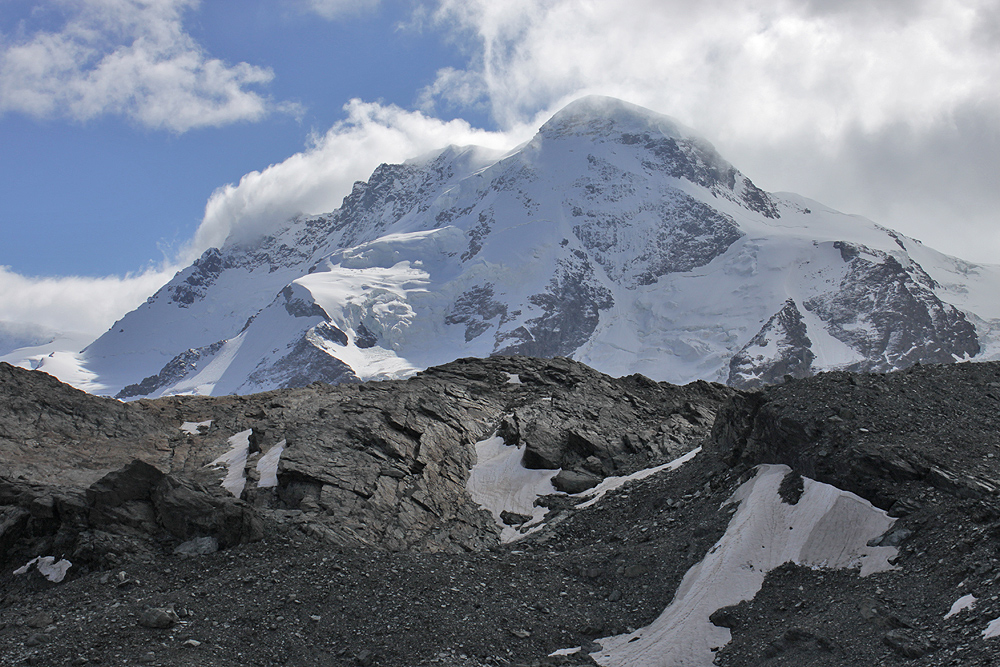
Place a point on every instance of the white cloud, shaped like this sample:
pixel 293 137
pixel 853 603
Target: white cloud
pixel 317 179
pixel 797 93
pixel 72 303
pixel 128 57
pixel 331 9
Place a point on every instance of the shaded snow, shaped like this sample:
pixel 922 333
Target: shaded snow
pixel 53 570
pixel 267 466
pixel 499 482
pixel 194 428
pixel 235 460
pixel 612 483
pixel 993 629
pixel 827 528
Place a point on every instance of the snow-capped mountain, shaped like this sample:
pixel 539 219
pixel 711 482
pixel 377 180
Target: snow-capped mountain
pixel 615 237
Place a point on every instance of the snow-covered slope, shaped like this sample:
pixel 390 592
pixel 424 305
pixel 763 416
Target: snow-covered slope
pixel 615 236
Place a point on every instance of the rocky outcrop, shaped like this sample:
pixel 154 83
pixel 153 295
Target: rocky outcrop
pixel 384 464
pixel 873 434
pixel 366 467
pixel 128 512
pixel 781 349
pixel 890 315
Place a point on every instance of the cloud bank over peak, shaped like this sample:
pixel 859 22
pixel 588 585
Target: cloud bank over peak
pixel 798 94
pixel 131 58
pixel 317 179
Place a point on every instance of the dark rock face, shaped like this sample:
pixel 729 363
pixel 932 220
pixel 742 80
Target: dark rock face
pixel 383 463
pixel 570 313
pixel 890 315
pixel 476 308
pixel 781 348
pixel 690 235
pixel 593 425
pixel 173 371
pixel 130 510
pixel 833 428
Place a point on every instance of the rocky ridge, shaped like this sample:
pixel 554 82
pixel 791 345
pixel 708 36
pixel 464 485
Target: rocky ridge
pixel 328 589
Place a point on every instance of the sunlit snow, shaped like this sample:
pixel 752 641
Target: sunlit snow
pixel 964 602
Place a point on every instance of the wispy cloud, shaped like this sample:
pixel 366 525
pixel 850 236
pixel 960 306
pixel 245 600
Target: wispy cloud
pixel 317 179
pixel 72 303
pixel 132 58
pixel 332 9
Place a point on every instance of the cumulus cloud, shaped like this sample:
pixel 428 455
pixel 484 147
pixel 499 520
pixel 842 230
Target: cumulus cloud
pixel 816 97
pixel 82 304
pixel 128 57
pixel 317 179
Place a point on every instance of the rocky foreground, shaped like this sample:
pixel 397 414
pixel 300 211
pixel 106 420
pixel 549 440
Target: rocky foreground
pixel 366 548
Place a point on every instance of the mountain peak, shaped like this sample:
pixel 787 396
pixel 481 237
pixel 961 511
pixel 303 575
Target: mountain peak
pixel 599 114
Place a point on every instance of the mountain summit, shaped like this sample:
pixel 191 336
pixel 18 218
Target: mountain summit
pixel 615 236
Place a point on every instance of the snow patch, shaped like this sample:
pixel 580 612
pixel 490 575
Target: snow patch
pixel 993 629
pixel 827 528
pixel 612 483
pixel 499 482
pixel 267 466
pixel 964 602
pixel 513 378
pixel 194 428
pixel 235 460
pixel 50 568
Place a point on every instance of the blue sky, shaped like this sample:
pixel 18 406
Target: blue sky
pixel 110 195
pixel 134 134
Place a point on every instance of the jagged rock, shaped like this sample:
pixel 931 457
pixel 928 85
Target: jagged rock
pixel 40 620
pixel 187 510
pixel 724 618
pixel 514 519
pixel 791 424
pixel 198 546
pixel 573 481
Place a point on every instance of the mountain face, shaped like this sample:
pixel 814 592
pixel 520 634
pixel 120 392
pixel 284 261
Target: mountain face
pixel 614 237
pixel 507 510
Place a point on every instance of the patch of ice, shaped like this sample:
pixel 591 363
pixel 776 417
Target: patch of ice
pixel 235 460
pixel 267 466
pixel 194 428
pixel 50 568
pixel 964 602
pixel 612 483
pixel 993 629
pixel 827 528
pixel 499 482
pixel 565 651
